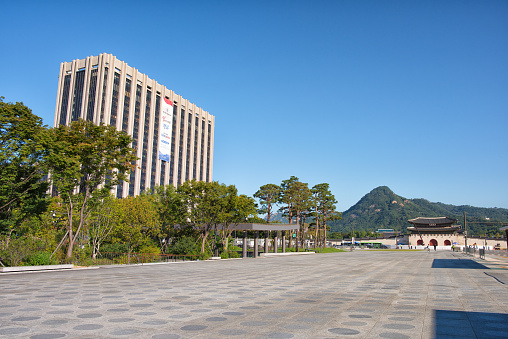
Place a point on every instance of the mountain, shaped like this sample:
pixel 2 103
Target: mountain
pixel 381 208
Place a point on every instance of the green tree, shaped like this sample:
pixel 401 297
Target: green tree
pixel 268 196
pixel 172 211
pixel 235 209
pixel 324 210
pixel 286 199
pixel 101 222
pixel 201 200
pixel 136 221
pixel 210 204
pixel 86 161
pixel 22 165
pixel 296 196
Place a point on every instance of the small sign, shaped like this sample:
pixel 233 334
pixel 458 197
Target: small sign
pixel 294 235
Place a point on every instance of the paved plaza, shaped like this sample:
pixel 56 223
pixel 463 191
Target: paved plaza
pixel 360 294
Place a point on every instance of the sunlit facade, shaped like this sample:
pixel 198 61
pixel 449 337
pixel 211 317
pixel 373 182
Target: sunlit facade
pixel 106 90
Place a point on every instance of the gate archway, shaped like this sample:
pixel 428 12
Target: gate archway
pixel 433 242
pixel 447 242
pixel 420 242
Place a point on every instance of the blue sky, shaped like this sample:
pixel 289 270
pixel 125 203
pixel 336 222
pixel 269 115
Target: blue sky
pixel 408 94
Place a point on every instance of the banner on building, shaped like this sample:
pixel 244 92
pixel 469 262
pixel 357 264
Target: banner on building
pixel 166 121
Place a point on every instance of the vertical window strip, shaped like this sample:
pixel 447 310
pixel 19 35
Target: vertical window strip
pixel 163 173
pixel 202 150
pixel 195 157
pixel 135 135
pixel 125 123
pixel 126 105
pixel 77 98
pixel 103 101
pixel 180 151
pixel 114 102
pixel 146 132
pixel 173 136
pixel 189 134
pixel 65 100
pixel 91 95
pixel 155 144
pixel 208 153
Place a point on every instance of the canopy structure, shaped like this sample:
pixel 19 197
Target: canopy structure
pixel 263 227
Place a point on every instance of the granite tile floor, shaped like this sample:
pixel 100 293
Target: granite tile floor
pixel 360 294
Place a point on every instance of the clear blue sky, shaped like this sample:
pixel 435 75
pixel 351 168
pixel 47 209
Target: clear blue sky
pixel 408 94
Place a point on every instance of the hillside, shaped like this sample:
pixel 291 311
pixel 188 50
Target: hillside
pixel 381 208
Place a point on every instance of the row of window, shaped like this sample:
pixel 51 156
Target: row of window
pixel 77 96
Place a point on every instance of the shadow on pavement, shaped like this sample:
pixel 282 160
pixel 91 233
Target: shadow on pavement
pixel 465 325
pixel 458 263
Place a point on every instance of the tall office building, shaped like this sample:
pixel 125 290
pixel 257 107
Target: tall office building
pixel 173 137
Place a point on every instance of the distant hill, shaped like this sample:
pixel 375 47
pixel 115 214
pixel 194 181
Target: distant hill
pixel 381 208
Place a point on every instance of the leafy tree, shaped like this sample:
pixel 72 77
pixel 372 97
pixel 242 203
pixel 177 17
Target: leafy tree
pixel 268 196
pixel 324 210
pixel 101 222
pixel 86 161
pixel 235 209
pixel 296 195
pixel 22 165
pixel 286 198
pixel 201 200
pixel 172 211
pixel 136 220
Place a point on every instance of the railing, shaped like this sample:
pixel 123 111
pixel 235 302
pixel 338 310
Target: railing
pixel 110 258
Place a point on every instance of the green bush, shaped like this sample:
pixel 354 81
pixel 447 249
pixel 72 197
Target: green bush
pixel 230 254
pixel 149 248
pixel 114 248
pixel 41 258
pixel 184 245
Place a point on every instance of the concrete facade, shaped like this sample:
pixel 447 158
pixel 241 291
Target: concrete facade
pixel 106 90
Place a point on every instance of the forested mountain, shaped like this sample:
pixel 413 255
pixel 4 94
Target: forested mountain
pixel 381 208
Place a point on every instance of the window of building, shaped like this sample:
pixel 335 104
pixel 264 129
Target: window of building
pixel 135 136
pixel 91 95
pixel 146 131
pixel 65 100
pixel 114 101
pixel 79 83
pixel 155 143
pixel 103 101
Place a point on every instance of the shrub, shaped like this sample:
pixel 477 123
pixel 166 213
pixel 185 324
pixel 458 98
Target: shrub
pixel 184 245
pixel 230 254
pixel 114 248
pixel 41 258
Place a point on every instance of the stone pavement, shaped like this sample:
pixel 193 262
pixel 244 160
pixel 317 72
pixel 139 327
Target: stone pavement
pixel 360 294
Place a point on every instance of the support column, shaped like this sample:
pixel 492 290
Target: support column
pixel 283 242
pixel 506 241
pixel 244 246
pixel 275 242
pixel 267 235
pixel 256 238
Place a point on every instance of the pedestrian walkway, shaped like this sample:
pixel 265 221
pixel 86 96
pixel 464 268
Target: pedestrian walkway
pixel 359 294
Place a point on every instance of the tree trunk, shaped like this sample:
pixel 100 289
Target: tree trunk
pixel 325 235
pixel 317 230
pixel 204 235
pixel 70 234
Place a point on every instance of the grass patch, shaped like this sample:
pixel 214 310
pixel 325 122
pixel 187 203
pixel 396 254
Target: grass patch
pixel 393 250
pixel 329 250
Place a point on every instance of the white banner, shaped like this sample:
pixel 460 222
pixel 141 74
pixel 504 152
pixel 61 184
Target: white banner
pixel 166 122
